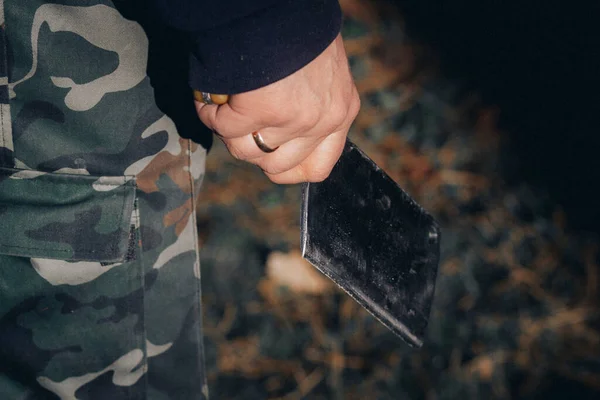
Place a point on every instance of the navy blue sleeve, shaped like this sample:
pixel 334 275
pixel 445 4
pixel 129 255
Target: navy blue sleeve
pixel 241 45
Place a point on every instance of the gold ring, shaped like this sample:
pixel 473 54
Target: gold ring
pixel 261 143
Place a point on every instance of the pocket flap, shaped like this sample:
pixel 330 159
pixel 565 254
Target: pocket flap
pixel 65 216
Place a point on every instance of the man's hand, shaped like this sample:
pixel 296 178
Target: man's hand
pixel 307 115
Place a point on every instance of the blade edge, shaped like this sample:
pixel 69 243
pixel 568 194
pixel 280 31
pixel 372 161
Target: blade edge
pixel 386 318
pixel 304 218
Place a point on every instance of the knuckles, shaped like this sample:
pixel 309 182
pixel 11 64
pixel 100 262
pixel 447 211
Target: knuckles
pixel 342 112
pixel 308 119
pixel 336 116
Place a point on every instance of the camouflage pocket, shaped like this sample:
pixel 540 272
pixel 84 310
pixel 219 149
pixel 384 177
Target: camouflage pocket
pixel 71 303
pixel 66 216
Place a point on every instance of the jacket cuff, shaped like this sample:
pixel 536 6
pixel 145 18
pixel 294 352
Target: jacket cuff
pixel 264 47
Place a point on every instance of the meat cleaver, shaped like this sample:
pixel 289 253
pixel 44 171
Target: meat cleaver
pixel 360 229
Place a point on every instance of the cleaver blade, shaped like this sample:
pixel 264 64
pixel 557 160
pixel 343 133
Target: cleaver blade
pixel 360 229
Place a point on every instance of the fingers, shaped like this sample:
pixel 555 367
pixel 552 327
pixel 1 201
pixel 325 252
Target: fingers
pixel 287 142
pixel 233 122
pixel 293 143
pixel 227 121
pixel 318 165
pixel 287 156
pixel 299 160
pixel 245 149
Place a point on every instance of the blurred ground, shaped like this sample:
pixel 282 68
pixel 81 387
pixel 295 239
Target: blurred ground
pixel 516 307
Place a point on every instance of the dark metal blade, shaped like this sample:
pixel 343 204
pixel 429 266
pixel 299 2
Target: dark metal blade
pixel 364 232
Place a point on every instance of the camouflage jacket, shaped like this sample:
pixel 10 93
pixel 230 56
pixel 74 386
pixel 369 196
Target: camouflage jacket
pixel 99 270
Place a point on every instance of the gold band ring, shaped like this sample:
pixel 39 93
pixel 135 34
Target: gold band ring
pixel 261 143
